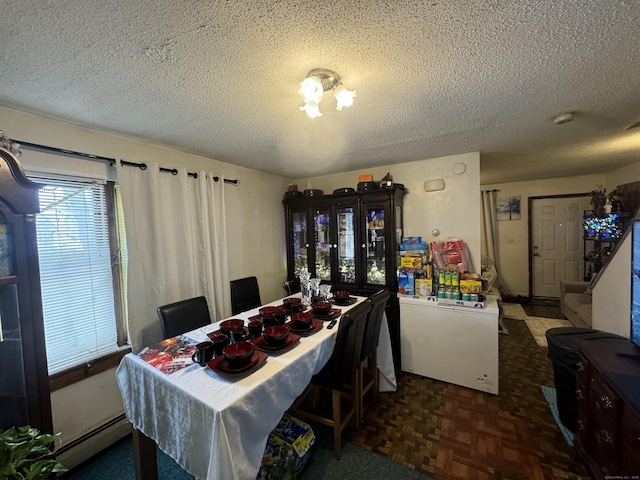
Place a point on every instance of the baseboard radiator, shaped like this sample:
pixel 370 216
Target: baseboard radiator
pixel 82 449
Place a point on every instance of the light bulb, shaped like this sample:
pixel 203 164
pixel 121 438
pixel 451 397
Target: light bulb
pixel 343 96
pixel 312 109
pixel 311 90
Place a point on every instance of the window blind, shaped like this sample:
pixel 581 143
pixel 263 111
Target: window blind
pixel 75 271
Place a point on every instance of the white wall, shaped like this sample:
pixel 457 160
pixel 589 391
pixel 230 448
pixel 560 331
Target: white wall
pixel 611 308
pixel 255 231
pixel 623 175
pixel 513 236
pixel 454 210
pixel 612 294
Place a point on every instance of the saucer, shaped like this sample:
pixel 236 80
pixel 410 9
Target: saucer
pixel 215 332
pixel 314 326
pixel 348 301
pixel 330 316
pixel 260 344
pixel 221 365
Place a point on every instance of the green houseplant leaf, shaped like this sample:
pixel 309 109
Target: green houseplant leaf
pixel 25 454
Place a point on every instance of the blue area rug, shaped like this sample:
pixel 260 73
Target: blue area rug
pixel 550 395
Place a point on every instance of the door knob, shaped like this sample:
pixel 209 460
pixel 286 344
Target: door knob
pixel 536 254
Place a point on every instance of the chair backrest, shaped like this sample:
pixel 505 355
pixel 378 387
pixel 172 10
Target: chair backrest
pixel 378 301
pixel 345 358
pixel 183 316
pixel 292 286
pixel 245 295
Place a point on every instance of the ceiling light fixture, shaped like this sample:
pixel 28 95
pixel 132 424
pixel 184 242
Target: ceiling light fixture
pixel 317 82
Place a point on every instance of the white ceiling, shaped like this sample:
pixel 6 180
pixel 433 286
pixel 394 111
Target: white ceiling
pixel 433 78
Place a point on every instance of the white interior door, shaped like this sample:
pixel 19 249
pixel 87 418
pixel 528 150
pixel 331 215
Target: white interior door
pixel 557 243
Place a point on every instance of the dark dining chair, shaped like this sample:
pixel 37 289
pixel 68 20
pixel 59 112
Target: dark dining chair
pixel 368 378
pixel 183 316
pixel 337 377
pixel 292 286
pixel 245 295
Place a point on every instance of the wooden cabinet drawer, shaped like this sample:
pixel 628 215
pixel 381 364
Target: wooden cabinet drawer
pixel 604 400
pixel 583 407
pixel 582 370
pixel 630 435
pixel 630 460
pixel 602 446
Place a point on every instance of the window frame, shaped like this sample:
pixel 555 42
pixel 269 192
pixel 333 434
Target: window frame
pixel 100 364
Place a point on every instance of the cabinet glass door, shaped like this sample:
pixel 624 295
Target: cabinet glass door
pixel 322 240
pixel 13 394
pixel 346 245
pixel 375 246
pixel 7 260
pixel 299 233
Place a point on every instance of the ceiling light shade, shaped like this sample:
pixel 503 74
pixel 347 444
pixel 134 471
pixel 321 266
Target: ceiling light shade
pixel 311 90
pixel 317 82
pixel 343 96
pixel 312 109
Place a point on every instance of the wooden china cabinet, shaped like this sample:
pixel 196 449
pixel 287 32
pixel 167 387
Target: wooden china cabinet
pixel 24 382
pixel 349 240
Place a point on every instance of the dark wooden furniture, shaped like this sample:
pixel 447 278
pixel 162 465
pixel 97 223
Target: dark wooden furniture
pixel 339 377
pixel 24 382
pixel 350 241
pixel 608 393
pixel 368 377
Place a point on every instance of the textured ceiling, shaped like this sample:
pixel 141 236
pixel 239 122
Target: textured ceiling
pixel 433 78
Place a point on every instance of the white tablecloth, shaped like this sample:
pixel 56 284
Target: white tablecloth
pixel 216 427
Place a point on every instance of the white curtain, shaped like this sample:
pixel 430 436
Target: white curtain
pixel 176 242
pixel 489 228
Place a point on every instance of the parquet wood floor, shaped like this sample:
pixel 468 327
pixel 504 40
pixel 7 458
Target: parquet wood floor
pixel 451 432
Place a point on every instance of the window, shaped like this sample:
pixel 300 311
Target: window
pixel 78 248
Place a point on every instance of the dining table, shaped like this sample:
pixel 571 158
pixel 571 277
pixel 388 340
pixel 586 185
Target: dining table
pixel 214 425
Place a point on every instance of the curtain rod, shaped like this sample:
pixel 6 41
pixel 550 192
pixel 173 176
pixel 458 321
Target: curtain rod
pixel 110 161
pixel 174 171
pixel 87 156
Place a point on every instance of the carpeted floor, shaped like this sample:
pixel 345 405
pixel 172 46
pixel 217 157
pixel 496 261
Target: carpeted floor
pixel 116 463
pixel 355 463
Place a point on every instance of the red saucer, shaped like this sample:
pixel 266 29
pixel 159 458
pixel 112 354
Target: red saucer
pixel 291 341
pixel 335 312
pixel 314 326
pixel 344 303
pixel 220 364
